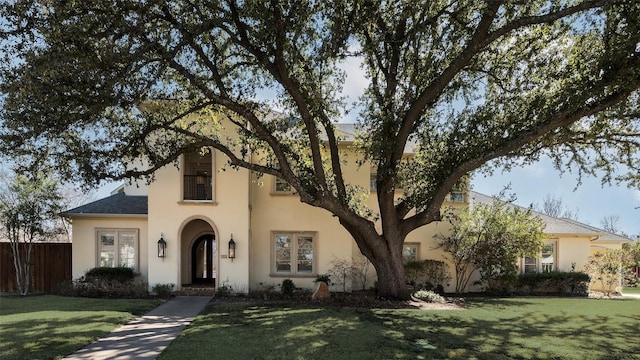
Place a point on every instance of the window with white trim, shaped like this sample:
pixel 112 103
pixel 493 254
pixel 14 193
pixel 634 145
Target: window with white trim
pixel 545 262
pixel 118 248
pixel 548 258
pixel 294 253
pixel 410 252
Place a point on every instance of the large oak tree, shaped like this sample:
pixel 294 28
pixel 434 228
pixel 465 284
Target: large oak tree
pixel 466 82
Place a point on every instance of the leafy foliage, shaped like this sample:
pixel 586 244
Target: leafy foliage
pixel 633 248
pixel 288 287
pixel 28 211
pixel 90 85
pixel 106 282
pixel 163 291
pixel 121 274
pixel 428 274
pixel 429 296
pixel 553 283
pixel 490 238
pixel 225 289
pixel 606 269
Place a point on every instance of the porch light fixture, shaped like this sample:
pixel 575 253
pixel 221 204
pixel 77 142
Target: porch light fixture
pixel 162 247
pixel 232 249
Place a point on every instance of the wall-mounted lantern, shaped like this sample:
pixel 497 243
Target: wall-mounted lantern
pixel 232 249
pixel 162 247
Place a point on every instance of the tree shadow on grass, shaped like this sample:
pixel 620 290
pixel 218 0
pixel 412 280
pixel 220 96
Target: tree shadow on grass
pixel 52 337
pixel 520 335
pixel 307 332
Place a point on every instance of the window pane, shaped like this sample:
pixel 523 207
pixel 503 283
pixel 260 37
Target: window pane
pixel 305 254
pixel 548 258
pixel 283 253
pixel 107 250
pixel 456 196
pixel 530 265
pixel 372 180
pixel 282 186
pixel 127 250
pixel 410 253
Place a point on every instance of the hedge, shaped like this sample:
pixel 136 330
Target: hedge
pixel 553 283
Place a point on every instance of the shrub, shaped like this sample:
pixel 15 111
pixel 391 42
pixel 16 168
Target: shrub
pixel 429 296
pixel 103 282
pixel 427 274
pixel 119 274
pixel 163 290
pixel 225 289
pixel 553 283
pixel 287 287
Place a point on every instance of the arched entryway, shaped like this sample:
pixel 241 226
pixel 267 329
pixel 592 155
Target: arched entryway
pixel 203 260
pixel 198 252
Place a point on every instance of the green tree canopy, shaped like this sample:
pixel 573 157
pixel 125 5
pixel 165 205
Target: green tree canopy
pixel 467 82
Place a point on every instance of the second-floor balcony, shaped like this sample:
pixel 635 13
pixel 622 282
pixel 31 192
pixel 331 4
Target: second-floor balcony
pixel 197 187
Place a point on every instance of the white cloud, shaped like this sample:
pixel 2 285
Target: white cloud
pixel 356 80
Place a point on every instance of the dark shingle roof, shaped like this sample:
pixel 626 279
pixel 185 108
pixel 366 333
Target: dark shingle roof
pixel 117 204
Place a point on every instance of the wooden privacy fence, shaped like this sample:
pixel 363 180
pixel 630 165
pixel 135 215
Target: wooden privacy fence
pixel 50 265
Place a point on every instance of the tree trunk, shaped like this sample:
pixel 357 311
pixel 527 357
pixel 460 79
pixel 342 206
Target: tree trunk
pixel 385 254
pixel 18 265
pixel 27 269
pixel 391 278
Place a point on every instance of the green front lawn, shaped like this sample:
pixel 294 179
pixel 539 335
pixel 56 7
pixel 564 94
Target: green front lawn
pixel 50 327
pixel 631 290
pixel 512 328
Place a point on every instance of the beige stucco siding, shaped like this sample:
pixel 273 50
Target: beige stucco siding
pixel 85 241
pixel 572 249
pixel 285 213
pixel 227 214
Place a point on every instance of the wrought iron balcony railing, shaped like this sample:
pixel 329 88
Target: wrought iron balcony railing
pixel 197 187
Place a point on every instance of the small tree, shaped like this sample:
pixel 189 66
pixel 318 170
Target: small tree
pixel 611 223
pixel 459 246
pixel 633 249
pixel 554 206
pixel 490 238
pixel 606 269
pixel 356 270
pixel 28 208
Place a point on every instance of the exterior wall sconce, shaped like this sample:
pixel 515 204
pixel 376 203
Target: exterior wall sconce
pixel 162 247
pixel 232 249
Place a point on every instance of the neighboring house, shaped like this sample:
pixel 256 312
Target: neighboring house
pixel 569 242
pixel 201 213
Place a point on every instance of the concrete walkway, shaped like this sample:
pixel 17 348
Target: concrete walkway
pixel 146 337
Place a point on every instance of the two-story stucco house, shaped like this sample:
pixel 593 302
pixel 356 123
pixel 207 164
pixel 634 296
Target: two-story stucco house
pixel 195 224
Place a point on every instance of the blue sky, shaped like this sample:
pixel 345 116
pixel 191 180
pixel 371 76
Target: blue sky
pixel 592 200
